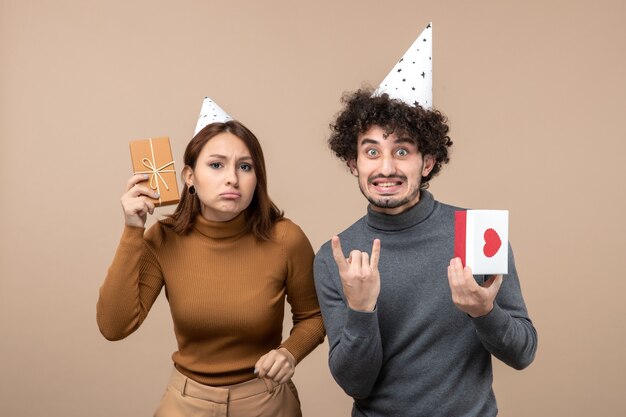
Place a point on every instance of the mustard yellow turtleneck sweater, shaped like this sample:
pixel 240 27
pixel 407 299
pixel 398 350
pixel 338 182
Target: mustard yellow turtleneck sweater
pixel 226 291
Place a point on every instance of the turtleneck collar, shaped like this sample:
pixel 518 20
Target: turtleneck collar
pixel 220 230
pixel 404 220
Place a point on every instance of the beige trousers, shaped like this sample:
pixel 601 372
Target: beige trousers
pixel 185 397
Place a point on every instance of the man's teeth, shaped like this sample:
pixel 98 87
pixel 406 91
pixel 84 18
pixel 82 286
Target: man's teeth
pixel 387 184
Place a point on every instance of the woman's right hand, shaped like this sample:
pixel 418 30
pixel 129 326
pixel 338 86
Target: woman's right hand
pixel 136 207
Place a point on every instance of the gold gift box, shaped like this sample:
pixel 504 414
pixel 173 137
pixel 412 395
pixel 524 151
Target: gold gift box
pixel 153 156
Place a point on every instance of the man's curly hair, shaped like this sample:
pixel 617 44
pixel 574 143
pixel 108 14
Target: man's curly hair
pixel 428 128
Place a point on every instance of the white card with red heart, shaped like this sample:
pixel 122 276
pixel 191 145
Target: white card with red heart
pixel 481 240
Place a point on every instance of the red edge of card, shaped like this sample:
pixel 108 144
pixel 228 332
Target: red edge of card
pixel 460 219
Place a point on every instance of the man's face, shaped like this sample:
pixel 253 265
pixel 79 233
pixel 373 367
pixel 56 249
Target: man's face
pixel 389 170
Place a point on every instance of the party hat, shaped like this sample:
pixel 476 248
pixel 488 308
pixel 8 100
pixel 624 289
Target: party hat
pixel 411 80
pixel 210 113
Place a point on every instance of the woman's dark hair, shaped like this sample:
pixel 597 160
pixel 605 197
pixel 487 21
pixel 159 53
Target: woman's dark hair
pixel 428 128
pixel 261 214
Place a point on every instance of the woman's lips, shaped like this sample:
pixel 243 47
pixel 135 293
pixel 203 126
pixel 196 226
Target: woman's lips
pixel 230 195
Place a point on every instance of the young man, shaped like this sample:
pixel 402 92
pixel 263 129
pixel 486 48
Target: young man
pixel 411 332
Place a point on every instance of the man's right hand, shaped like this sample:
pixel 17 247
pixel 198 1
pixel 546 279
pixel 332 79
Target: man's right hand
pixel 359 275
pixel 135 206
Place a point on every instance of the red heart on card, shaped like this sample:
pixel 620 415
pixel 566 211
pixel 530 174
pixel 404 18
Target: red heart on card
pixel 492 243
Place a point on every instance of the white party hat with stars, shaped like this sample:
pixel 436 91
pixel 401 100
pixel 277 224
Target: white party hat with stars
pixel 210 113
pixel 411 80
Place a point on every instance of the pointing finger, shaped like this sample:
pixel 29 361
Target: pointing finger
pixel 375 254
pixel 340 260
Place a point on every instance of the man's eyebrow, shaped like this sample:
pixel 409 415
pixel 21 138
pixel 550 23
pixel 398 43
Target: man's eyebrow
pixel 367 141
pixel 405 139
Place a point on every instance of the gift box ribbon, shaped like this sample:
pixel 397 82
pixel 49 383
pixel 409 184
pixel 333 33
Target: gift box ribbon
pixel 155 173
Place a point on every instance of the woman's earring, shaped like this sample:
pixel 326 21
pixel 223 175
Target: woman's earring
pixel 192 189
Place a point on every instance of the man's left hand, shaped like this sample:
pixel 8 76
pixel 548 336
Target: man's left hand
pixel 471 298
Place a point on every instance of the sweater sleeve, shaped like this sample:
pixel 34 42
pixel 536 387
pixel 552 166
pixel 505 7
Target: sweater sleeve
pixel 308 328
pixel 507 331
pixel 132 284
pixel 355 349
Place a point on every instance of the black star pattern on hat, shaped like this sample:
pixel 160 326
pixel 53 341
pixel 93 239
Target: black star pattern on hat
pixel 423 75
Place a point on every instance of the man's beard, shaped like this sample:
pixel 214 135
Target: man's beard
pixel 390 202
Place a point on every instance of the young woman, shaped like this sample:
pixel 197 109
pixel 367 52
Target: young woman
pixel 227 259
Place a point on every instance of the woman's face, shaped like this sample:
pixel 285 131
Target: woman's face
pixel 224 177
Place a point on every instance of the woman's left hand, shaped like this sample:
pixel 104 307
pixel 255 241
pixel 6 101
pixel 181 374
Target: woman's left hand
pixel 278 365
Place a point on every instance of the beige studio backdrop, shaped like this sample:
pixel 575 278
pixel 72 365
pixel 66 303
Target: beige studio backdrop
pixel 535 95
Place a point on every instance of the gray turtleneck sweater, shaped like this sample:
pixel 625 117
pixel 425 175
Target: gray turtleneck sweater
pixel 417 354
